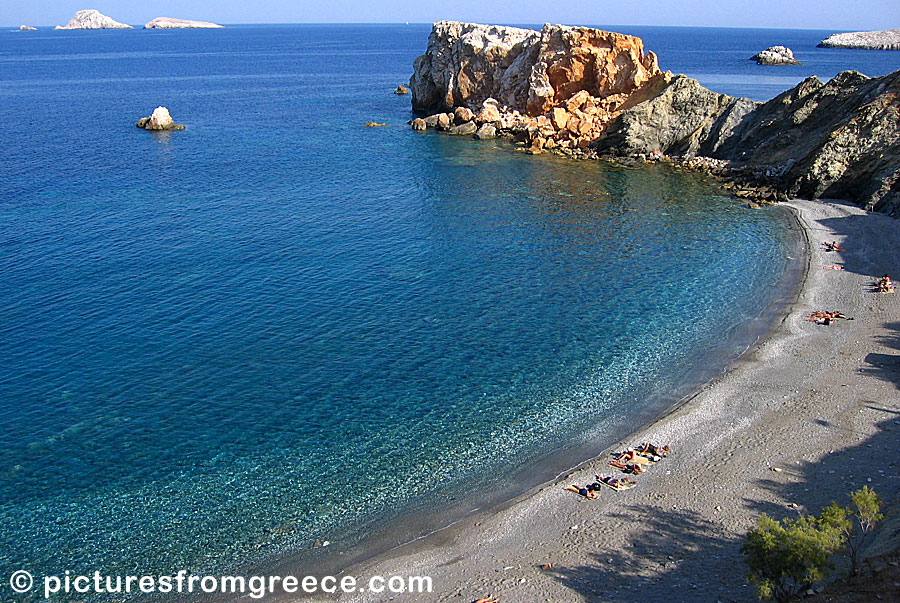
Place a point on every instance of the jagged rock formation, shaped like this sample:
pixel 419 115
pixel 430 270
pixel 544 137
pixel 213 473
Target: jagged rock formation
pixel 839 139
pixel 170 23
pixel 160 119
pixel 522 78
pixel 887 39
pixel 27 28
pixel 401 89
pixel 776 55
pixel 92 19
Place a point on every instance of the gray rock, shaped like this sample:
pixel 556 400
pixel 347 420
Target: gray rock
pixel 886 39
pixel 432 120
pixel 776 55
pixel 486 132
pixel 839 139
pixel 465 129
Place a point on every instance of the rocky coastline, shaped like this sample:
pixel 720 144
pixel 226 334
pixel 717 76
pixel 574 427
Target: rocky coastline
pixel 886 39
pixel 587 93
pixel 92 19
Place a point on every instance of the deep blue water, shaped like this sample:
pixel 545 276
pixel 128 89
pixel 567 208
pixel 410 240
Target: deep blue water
pixel 277 325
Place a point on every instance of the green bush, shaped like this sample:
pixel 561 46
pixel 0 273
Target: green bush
pixel 786 557
pixel 864 515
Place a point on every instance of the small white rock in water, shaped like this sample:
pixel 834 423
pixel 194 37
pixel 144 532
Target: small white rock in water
pixel 160 119
pixel 776 55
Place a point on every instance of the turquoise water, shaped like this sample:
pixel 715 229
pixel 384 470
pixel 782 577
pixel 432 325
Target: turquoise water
pixel 222 344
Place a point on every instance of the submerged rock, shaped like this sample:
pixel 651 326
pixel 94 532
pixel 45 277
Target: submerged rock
pixel 886 39
pixel 92 19
pixel 374 124
pixel 159 120
pixel 401 89
pixel 170 23
pixel 776 55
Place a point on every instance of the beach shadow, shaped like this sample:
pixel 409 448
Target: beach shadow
pixel 886 366
pixel 668 555
pixel 809 486
pixel 858 235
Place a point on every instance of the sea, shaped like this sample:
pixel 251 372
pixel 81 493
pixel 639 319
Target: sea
pixel 280 334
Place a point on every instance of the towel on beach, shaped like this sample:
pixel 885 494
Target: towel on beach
pixel 619 485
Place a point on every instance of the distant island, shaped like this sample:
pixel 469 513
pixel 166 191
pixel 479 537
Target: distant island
pixel 92 19
pixel 886 39
pixel 170 23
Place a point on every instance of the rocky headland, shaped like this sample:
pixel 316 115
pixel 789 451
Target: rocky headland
pixel 170 23
pixel 775 55
pixel 590 93
pixel 159 120
pixel 886 39
pixel 92 19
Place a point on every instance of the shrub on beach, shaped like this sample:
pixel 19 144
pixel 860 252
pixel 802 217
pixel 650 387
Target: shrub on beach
pixel 786 557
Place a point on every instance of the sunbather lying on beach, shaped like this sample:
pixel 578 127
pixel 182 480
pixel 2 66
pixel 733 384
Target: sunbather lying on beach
pixel 820 314
pixel 653 450
pixel 616 483
pixel 885 285
pixel 627 467
pixel 832 246
pixel 834 267
pixel 486 600
pixel 631 456
pixel 587 491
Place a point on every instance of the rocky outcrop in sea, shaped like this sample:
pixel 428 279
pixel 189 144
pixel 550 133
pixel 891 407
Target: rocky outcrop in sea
pixel 27 28
pixel 887 39
pixel 170 23
pixel 775 55
pixel 159 120
pixel 563 84
pixel 590 93
pixel 92 19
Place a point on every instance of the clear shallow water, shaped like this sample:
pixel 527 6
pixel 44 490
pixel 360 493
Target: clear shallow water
pixel 277 325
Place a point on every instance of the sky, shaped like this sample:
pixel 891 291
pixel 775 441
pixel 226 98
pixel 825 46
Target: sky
pixel 835 15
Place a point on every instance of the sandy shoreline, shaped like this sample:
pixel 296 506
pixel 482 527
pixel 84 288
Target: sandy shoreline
pixel 818 403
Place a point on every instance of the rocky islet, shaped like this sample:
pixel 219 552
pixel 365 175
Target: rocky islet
pixel 92 19
pixel 775 55
pixel 885 39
